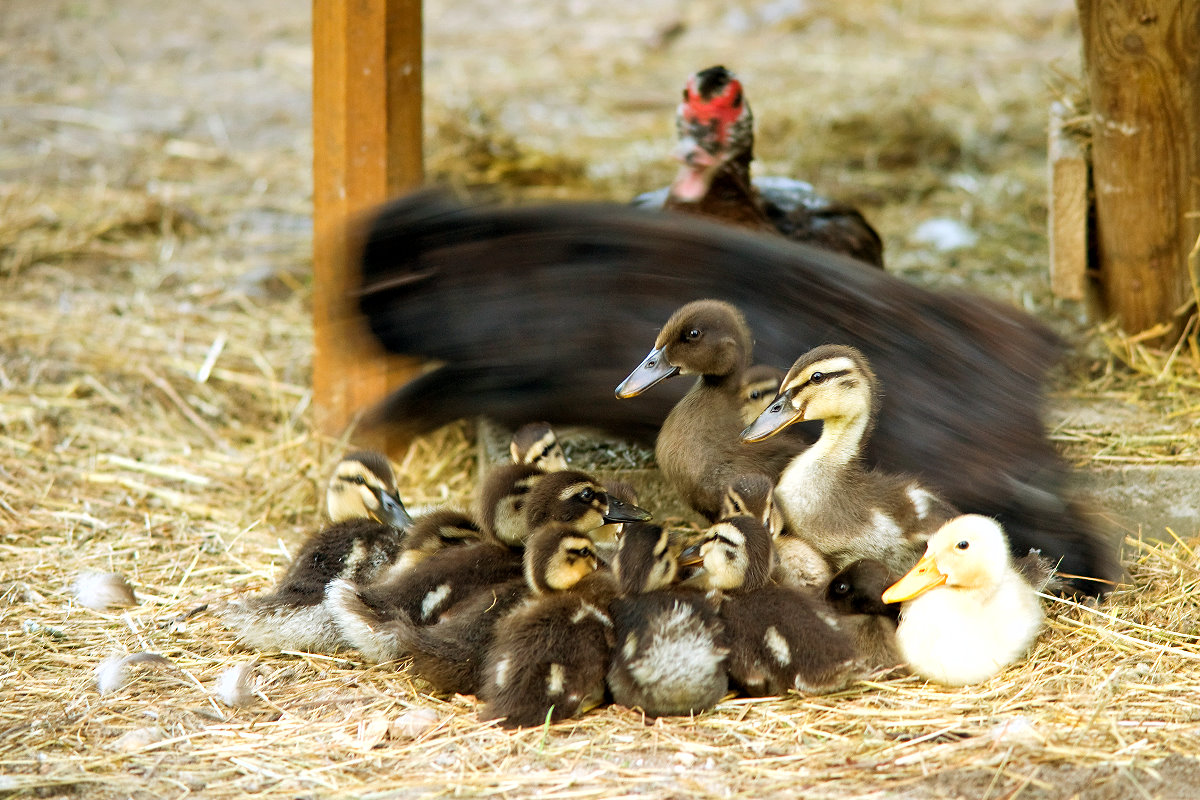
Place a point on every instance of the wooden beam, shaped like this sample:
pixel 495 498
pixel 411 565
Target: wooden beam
pixel 1143 68
pixel 366 148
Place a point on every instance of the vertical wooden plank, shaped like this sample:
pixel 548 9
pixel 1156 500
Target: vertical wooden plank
pixel 366 147
pixel 1068 212
pixel 1143 67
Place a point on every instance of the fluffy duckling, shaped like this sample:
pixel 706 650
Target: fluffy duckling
pixel 549 656
pixel 440 583
pixel 536 443
pixel 856 595
pixel 367 530
pixel 828 496
pixel 699 448
pixel 779 638
pixel 797 563
pixel 669 652
pixel 966 613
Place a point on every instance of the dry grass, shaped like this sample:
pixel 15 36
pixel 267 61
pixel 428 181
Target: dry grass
pixel 155 410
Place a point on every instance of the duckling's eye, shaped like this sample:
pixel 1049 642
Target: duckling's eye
pixel 359 479
pixel 841 587
pixel 963 545
pixel 693 334
pixel 817 377
pixel 580 552
pixel 586 495
pixel 757 393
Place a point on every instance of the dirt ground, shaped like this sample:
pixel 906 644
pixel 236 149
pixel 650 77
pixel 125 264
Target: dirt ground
pixel 155 411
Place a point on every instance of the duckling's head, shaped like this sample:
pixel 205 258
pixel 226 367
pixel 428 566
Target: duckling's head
pixel 363 486
pixel 760 384
pixel 647 558
pixel 753 495
pixel 576 499
pixel 536 443
pixel 859 587
pixel 714 126
pixel 736 555
pixel 832 382
pixel 607 536
pixel 557 557
pixel 968 553
pixel 705 337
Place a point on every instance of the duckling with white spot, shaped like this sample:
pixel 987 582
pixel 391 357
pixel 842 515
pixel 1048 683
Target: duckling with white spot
pixel 367 531
pixel 966 612
pixel 549 656
pixel 669 653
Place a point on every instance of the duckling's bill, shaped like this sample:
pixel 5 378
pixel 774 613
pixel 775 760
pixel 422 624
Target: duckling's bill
pixel 654 368
pixel 390 511
pixel 921 578
pixel 778 416
pixel 620 511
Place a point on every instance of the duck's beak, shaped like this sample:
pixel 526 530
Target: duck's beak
pixel 619 511
pixel 653 369
pixel 696 174
pixel 391 511
pixel 921 578
pixel 778 416
pixel 692 555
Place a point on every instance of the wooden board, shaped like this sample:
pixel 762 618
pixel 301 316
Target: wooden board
pixel 366 148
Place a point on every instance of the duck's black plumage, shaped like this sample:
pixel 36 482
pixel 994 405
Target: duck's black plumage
pixel 538 312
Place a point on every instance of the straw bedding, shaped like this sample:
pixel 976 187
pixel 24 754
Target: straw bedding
pixel 155 409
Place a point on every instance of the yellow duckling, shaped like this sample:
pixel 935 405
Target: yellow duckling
pixel 967 612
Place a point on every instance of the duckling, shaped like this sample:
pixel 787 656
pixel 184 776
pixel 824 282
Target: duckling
pixel 699 448
pixel 441 582
pixel 856 595
pixel 760 384
pixel 367 530
pixel 536 443
pixel 797 563
pixel 779 638
pixel 549 656
pixel 966 613
pixel 828 496
pixel 669 652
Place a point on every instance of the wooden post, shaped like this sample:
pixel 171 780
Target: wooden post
pixel 366 148
pixel 1143 65
pixel 1068 212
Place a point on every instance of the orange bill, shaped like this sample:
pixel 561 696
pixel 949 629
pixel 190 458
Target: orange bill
pixel 921 578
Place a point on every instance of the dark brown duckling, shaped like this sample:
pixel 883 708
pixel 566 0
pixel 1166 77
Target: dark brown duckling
pixel 779 638
pixel 367 531
pixel 439 583
pixel 855 594
pixel 797 563
pixel 716 147
pixel 699 447
pixel 669 652
pixel 827 494
pixel 549 656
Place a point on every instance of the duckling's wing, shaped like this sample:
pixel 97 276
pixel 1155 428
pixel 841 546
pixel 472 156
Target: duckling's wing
pixel 539 311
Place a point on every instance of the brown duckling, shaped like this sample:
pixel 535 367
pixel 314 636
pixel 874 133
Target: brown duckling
pixel 828 496
pixel 699 447
pixel 797 563
pixel 536 443
pixel 549 655
pixel 669 652
pixel 779 638
pixel 856 595
pixel 367 531
pixel 438 584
